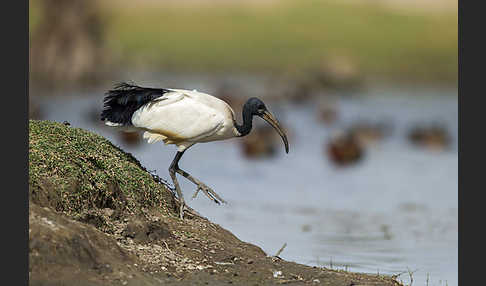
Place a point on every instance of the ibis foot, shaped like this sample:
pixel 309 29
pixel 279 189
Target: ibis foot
pixel 201 187
pixel 208 192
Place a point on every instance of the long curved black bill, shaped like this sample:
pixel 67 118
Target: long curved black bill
pixel 268 117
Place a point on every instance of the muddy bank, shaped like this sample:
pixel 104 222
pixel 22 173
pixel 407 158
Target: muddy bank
pixel 92 224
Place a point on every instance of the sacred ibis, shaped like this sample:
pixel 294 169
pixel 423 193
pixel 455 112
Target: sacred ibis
pixel 183 118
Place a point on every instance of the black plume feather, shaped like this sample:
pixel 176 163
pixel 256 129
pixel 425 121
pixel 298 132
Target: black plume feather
pixel 124 99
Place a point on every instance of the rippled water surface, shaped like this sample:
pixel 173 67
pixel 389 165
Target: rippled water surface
pixel 393 212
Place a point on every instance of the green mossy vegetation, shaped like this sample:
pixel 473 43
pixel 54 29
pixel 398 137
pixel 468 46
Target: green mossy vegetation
pixel 73 170
pixel 284 37
pixel 288 36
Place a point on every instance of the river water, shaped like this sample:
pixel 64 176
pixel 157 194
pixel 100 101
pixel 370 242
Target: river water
pixel 394 212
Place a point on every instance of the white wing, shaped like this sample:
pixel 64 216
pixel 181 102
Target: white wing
pixel 180 116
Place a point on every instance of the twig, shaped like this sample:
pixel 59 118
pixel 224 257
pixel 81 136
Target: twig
pixel 410 273
pixel 287 281
pixel 224 263
pixel 280 250
pixel 167 246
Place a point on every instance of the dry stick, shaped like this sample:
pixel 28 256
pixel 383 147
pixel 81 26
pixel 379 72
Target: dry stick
pixel 410 273
pixel 167 246
pixel 280 250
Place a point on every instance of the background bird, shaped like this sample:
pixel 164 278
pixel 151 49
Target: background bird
pixel 183 118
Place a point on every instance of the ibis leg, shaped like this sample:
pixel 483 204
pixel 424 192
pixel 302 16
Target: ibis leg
pixel 172 171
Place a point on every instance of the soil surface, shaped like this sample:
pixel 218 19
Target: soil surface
pixel 135 244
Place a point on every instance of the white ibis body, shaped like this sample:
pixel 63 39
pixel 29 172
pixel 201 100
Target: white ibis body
pixel 183 118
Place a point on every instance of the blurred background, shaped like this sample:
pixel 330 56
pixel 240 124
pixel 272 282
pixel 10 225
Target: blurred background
pixel 367 91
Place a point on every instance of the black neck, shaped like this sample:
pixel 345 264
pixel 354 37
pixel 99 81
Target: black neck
pixel 245 128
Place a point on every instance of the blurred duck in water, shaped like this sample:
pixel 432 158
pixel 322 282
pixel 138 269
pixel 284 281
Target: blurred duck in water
pixel 261 143
pixel 368 133
pixel 433 137
pixel 344 149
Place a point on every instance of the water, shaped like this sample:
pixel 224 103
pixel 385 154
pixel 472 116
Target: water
pixel 395 212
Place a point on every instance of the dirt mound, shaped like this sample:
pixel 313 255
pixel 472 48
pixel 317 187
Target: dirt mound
pixel 118 225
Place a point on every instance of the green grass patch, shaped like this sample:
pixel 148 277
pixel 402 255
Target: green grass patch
pixel 287 36
pixel 73 170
